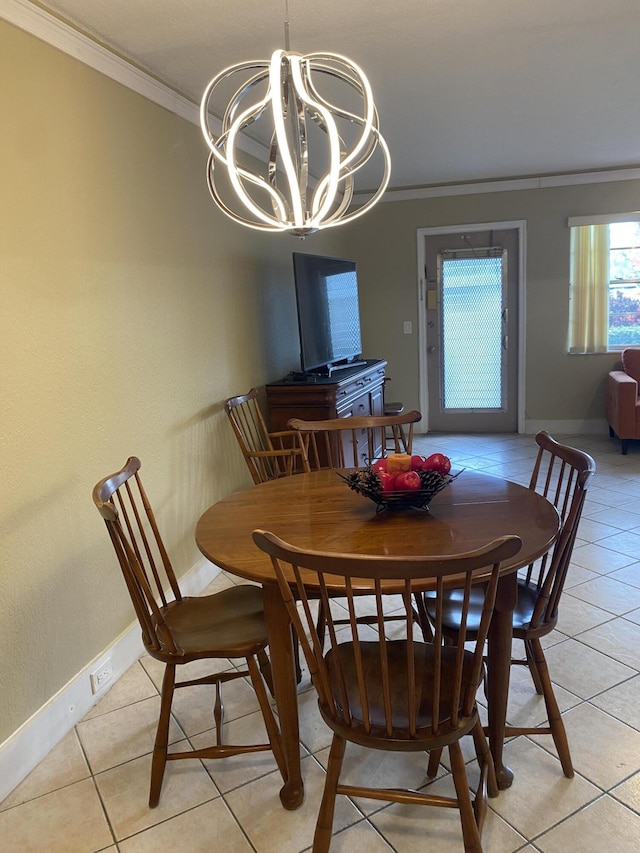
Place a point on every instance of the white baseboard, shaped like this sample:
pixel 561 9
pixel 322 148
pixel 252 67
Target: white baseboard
pixel 37 736
pixel 579 426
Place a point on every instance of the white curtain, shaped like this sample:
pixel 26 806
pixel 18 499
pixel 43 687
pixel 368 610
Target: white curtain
pixel 589 305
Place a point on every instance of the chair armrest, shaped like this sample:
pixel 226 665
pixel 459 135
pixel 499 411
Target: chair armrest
pixel 622 395
pixel 285 433
pixel 282 452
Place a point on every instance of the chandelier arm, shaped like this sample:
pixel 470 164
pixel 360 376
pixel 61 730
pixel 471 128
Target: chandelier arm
pixel 237 175
pixel 221 141
pixel 367 123
pixel 302 150
pixel 278 59
pixel 273 225
pixel 299 79
pixel 348 192
pixel 259 182
pixel 359 211
pixel 244 120
pixel 234 102
pixel 345 200
pixel 222 75
pixel 365 156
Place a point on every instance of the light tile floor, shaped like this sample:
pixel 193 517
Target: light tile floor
pixel 90 793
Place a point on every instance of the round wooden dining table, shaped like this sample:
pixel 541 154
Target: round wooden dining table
pixel 318 511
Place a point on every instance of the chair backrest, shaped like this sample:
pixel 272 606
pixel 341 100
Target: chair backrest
pixel 353 442
pixel 562 474
pixel 268 455
pixel 387 686
pixel 123 504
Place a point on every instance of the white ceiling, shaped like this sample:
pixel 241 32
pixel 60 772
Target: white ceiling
pixel 466 90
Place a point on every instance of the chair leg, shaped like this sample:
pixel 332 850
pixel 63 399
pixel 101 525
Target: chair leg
pixel 273 732
pixel 324 825
pixel 434 762
pixel 159 759
pixel 533 667
pixel 421 617
pixel 556 724
pixel 321 623
pixel 485 760
pixel 265 669
pixel 470 831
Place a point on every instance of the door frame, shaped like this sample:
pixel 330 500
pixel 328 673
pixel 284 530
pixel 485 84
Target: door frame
pixel 521 226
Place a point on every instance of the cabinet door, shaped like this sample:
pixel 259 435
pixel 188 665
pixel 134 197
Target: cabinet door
pixel 377 402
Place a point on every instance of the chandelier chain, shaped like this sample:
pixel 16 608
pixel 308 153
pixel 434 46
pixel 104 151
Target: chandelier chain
pixel 286 25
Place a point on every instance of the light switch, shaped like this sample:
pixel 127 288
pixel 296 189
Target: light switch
pixel 407 327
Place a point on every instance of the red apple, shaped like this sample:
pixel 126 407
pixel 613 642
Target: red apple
pixel 417 463
pixel 387 481
pixel 379 465
pixel 408 481
pixel 438 462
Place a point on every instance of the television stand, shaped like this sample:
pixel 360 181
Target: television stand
pixel 356 390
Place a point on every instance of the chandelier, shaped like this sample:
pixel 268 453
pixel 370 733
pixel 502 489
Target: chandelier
pixel 315 148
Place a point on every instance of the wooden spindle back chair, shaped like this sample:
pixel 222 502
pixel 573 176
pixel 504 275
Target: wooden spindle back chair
pixel 177 630
pixel 353 442
pixel 395 692
pixel 268 454
pixel 562 474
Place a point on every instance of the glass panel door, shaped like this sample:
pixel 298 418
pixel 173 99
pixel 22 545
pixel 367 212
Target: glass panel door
pixel 472 326
pixel 472 322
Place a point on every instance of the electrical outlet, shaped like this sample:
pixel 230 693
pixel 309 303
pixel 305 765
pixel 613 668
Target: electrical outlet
pixel 101 675
pixel 407 327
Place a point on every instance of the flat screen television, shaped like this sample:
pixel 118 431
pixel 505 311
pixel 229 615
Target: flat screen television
pixel 328 312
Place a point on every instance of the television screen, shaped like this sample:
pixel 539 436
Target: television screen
pixel 328 313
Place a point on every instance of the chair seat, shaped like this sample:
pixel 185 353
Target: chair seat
pixel 227 624
pixel 424 667
pixel 452 602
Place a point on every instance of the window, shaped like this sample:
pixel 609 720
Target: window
pixel 605 283
pixel 624 284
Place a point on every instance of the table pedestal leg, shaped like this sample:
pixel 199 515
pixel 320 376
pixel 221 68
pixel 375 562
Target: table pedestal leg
pixel 498 670
pixel 284 683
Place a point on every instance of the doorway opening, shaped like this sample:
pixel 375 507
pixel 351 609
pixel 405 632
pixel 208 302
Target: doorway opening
pixel 471 327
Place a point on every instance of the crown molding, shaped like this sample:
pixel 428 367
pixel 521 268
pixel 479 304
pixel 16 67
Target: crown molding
pixel 512 184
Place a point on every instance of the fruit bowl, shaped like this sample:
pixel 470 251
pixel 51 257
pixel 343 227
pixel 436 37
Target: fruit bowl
pixel 365 482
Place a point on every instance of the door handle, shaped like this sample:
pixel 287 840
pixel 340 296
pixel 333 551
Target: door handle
pixel 431 350
pixel 505 342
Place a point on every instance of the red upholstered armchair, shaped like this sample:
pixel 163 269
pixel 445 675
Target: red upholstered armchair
pixel 623 405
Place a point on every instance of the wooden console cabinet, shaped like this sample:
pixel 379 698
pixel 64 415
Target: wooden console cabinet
pixel 347 393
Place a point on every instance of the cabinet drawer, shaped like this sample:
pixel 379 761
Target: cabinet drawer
pixel 359 408
pixel 349 393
